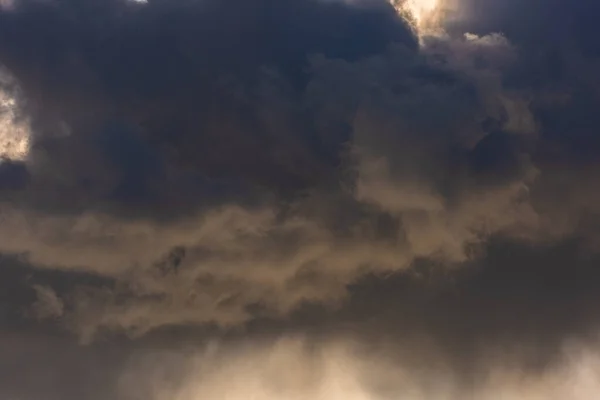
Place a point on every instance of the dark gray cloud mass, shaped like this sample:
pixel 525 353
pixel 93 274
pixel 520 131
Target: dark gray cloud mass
pixel 259 169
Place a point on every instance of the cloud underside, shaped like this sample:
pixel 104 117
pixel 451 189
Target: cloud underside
pixel 215 164
pixel 292 368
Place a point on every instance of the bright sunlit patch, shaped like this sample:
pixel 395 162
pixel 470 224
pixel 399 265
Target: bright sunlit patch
pixel 14 134
pixel 424 15
pixel 421 10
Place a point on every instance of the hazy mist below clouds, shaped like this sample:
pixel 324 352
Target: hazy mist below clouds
pixel 294 367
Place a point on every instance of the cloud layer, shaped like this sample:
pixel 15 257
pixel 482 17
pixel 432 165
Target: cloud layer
pixel 194 163
pixel 295 368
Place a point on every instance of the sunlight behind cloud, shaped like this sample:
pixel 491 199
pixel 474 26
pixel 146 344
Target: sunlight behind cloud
pixel 14 133
pixel 421 9
pixel 424 14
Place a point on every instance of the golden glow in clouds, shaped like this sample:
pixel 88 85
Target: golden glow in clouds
pixel 425 15
pixel 421 10
pixel 14 134
pixel 14 131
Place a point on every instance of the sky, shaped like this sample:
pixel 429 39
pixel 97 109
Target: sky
pixel 293 199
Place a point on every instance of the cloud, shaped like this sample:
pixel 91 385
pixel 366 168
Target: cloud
pixel 38 366
pixel 296 368
pixel 291 367
pixel 48 304
pixel 244 257
pixel 233 164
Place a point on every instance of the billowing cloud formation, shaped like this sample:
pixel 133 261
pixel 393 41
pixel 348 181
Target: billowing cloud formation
pixel 211 162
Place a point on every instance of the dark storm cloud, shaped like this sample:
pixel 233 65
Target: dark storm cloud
pixel 229 163
pixel 558 49
pixel 163 95
pixel 539 23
